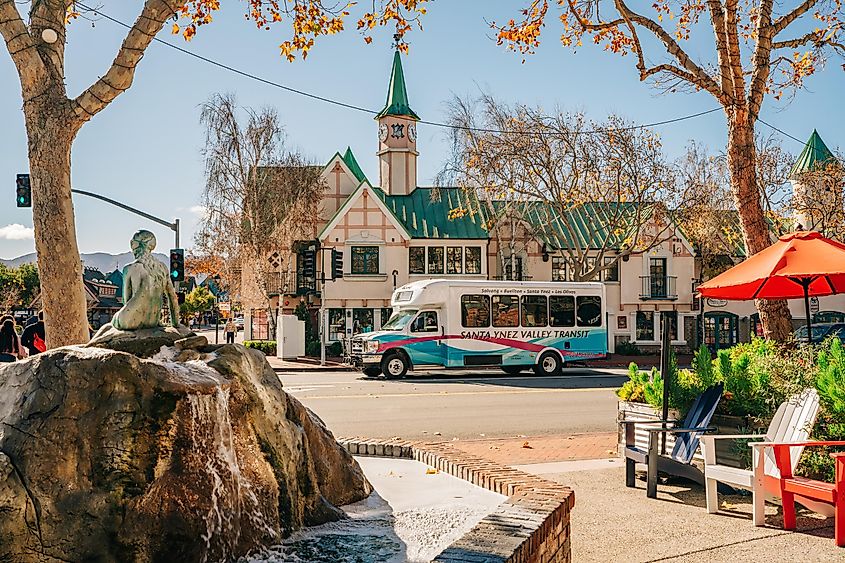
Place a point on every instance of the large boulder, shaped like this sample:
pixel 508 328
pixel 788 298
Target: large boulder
pixel 194 453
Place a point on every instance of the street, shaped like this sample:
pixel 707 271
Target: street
pixel 462 405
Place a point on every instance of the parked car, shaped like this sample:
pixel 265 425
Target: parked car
pixel 239 322
pixel 821 332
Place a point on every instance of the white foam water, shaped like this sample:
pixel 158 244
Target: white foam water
pixel 232 496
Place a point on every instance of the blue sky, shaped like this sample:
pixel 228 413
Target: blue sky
pixel 144 149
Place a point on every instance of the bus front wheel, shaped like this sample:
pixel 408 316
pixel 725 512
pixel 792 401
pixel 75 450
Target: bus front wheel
pixel 549 364
pixel 394 365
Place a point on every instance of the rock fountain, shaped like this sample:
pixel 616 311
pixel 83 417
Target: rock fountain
pixel 149 444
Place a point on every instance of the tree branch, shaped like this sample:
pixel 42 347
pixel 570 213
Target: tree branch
pixel 122 71
pixel 717 15
pixel 704 80
pixel 782 22
pixel 19 42
pixel 762 56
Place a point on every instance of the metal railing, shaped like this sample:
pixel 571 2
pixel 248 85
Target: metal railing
pixel 658 287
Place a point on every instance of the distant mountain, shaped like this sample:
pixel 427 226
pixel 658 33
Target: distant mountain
pixel 100 260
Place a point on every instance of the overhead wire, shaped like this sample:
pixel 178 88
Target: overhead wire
pixel 354 107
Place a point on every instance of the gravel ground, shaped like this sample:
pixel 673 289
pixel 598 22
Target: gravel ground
pixel 411 517
pixel 611 522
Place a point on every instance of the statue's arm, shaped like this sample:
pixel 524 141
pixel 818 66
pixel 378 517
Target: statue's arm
pixel 127 284
pixel 173 302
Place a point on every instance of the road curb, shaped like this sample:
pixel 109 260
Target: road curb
pixel 321 369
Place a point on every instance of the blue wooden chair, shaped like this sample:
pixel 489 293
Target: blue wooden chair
pixel 686 435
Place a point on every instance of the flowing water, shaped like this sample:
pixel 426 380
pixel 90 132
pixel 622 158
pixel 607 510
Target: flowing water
pixel 233 500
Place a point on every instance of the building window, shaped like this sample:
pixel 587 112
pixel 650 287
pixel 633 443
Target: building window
pixel 611 272
pixel 365 260
pixel 657 277
pixel 386 312
pixel 362 321
pixel 472 259
pixel 535 310
pixel 562 310
pixel 645 326
pixel 589 266
pixel 454 260
pixel 510 274
pixel 337 324
pixel 435 259
pixel 475 311
pixel 589 310
pixel 505 310
pixel 559 264
pixel 416 260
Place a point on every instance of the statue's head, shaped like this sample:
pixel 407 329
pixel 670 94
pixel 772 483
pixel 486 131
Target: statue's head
pixel 143 242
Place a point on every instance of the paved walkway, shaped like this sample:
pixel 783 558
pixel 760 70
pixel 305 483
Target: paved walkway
pixel 525 450
pixel 611 522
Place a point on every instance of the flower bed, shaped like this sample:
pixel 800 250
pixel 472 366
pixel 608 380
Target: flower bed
pixel 758 377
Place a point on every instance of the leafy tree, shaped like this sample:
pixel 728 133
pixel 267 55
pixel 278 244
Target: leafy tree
pixel 760 48
pixel 259 198
pixel 18 286
pixel 197 301
pixel 550 173
pixel 35 39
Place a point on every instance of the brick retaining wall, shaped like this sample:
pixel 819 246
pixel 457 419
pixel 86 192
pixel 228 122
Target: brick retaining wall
pixel 531 526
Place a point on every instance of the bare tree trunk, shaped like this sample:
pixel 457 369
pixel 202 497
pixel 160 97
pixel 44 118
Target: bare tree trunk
pixel 742 158
pixel 59 265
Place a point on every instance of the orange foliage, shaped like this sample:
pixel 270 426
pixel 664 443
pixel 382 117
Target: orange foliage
pixel 308 19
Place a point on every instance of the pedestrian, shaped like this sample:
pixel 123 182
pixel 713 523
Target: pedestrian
pixel 231 328
pixel 10 345
pixel 34 337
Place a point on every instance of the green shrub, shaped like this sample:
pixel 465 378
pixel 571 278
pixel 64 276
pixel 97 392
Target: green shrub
pixel 268 347
pixel 830 381
pixel 335 349
pixel 312 348
pixel 628 348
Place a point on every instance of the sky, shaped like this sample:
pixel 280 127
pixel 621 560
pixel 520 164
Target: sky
pixel 144 149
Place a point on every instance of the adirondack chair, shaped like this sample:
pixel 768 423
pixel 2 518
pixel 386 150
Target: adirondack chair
pixel 792 422
pixel 687 435
pixel 794 489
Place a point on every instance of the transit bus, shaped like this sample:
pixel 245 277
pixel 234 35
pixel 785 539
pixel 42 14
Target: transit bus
pixel 472 323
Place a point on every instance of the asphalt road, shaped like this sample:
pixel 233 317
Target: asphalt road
pixel 463 405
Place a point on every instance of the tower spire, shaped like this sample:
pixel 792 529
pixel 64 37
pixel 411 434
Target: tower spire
pixel 397 94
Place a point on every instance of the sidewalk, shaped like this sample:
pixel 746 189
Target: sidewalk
pixel 525 450
pixel 310 365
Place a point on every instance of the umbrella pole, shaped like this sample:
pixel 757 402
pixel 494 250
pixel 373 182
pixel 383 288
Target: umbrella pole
pixel 806 284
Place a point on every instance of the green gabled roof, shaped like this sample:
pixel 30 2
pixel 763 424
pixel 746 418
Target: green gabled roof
pixel 350 161
pixel 424 216
pixel 814 156
pixel 397 94
pixel 582 226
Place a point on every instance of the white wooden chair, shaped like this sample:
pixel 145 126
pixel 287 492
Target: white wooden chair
pixel 792 422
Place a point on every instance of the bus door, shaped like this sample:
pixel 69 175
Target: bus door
pixel 427 346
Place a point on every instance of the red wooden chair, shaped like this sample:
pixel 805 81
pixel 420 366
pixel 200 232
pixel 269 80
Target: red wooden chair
pixel 827 493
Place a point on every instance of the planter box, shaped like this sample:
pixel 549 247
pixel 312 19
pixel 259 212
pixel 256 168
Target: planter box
pixel 726 451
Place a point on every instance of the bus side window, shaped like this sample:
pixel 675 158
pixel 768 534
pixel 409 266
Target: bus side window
pixel 589 310
pixel 562 310
pixel 505 310
pixel 425 322
pixel 475 311
pixel 534 310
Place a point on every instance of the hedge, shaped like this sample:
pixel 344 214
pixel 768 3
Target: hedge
pixel 266 346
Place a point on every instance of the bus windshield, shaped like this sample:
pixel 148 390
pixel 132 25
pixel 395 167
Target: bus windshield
pixel 398 320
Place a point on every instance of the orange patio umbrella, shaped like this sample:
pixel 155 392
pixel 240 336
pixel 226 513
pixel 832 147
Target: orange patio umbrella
pixel 800 264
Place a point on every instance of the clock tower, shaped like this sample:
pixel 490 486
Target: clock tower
pixel 397 136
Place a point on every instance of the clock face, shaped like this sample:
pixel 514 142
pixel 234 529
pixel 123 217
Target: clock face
pixel 412 133
pixel 382 132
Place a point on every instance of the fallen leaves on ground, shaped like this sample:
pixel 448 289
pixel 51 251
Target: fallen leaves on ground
pixel 432 471
pixel 527 445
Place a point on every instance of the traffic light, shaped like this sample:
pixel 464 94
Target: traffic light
pixel 23 191
pixel 337 264
pixel 177 264
pixel 309 263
